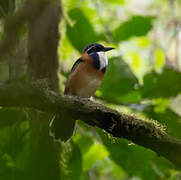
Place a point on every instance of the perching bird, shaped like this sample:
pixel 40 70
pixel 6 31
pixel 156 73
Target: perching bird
pixel 85 78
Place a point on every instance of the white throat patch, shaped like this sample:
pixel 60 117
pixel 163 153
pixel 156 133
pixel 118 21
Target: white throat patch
pixel 103 59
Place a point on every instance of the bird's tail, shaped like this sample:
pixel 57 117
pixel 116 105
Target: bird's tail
pixel 62 128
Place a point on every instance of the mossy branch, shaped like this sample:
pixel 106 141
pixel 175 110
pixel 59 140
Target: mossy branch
pixel 145 133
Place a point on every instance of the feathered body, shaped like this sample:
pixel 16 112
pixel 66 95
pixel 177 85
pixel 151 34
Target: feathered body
pixel 85 78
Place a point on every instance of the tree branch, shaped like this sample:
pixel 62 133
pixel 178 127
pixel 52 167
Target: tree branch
pixel 145 133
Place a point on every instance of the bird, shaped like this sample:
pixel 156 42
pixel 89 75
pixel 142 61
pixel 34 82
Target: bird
pixel 85 78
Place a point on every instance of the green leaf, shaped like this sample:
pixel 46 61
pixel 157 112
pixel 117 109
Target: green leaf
pixel 14 152
pixel 136 26
pixel 81 32
pixel 119 83
pixel 165 84
pixel 73 162
pixel 96 153
pixel 135 160
pixel 159 59
pixel 85 142
pixel 168 117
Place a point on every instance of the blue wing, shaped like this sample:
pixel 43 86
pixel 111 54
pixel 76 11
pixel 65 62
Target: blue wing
pixel 72 70
pixel 76 64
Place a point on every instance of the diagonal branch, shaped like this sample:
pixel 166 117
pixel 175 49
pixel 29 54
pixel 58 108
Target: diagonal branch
pixel 148 134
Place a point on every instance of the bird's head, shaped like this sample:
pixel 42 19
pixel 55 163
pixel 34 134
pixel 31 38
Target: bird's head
pixel 95 47
pixel 97 53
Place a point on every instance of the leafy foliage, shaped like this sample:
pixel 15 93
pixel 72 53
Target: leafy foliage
pixel 81 32
pixel 72 162
pixel 14 151
pixel 165 84
pixel 116 1
pixel 129 155
pixel 135 160
pixel 136 26
pixel 121 80
pixel 171 119
pixel 137 81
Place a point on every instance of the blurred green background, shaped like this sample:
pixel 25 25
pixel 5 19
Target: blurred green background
pixel 143 78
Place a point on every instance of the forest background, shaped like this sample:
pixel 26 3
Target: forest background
pixel 143 80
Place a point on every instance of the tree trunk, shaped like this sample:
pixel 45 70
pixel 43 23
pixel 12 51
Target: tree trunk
pixel 43 37
pixel 45 153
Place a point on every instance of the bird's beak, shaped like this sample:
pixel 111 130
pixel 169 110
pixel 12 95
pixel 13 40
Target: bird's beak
pixel 108 48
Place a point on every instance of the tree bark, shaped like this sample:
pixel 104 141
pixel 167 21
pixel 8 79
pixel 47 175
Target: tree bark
pixel 43 41
pixel 43 37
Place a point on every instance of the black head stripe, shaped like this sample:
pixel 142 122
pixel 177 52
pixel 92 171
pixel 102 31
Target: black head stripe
pixel 93 48
pixel 87 48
